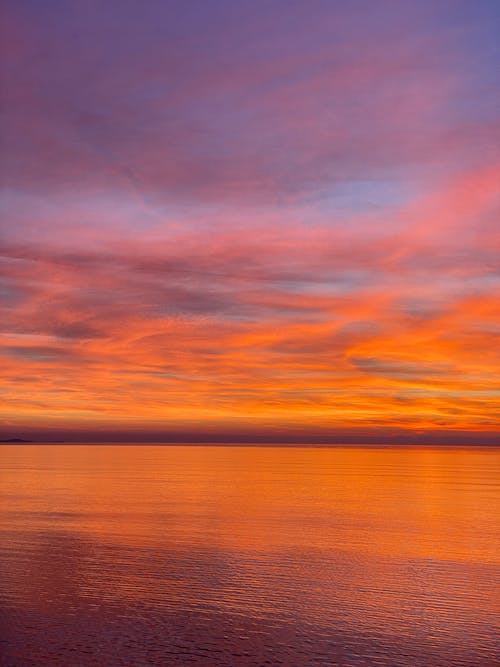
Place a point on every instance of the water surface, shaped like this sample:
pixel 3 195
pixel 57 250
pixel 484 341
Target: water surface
pixel 150 555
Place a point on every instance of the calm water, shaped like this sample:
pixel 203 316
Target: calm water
pixel 130 555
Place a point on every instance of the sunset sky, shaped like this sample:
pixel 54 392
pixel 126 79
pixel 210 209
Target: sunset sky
pixel 250 220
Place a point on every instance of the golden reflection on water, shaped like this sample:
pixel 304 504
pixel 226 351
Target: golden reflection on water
pixel 399 545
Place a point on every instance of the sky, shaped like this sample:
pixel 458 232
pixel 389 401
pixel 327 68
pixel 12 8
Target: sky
pixel 250 221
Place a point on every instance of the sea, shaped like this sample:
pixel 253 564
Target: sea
pixel 249 555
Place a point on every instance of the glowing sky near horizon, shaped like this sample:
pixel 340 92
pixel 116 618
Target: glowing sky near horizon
pixel 250 217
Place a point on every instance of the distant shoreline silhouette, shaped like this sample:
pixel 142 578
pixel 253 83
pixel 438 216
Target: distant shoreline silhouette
pixel 14 440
